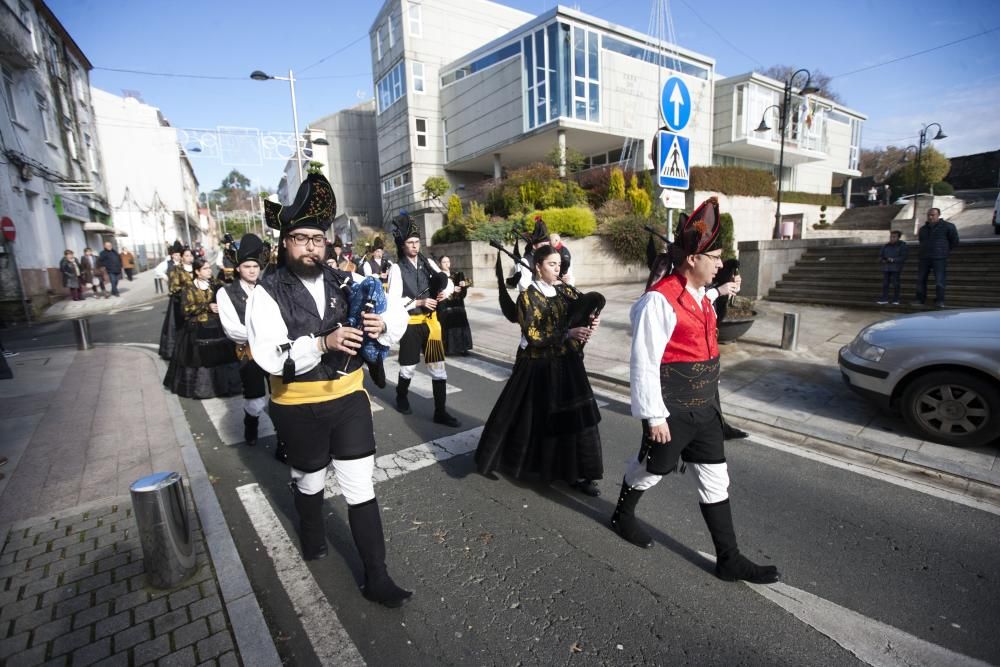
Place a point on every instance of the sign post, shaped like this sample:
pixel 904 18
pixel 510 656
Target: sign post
pixel 672 153
pixel 8 229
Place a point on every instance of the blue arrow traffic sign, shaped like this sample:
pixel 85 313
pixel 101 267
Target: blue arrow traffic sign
pixel 675 104
pixel 673 160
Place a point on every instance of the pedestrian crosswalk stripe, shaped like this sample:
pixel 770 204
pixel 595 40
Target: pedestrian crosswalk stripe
pixel 419 456
pixel 480 367
pixel 421 382
pixel 226 415
pixel 329 639
pixel 871 641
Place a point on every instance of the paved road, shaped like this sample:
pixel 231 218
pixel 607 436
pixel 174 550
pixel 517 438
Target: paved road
pixel 506 573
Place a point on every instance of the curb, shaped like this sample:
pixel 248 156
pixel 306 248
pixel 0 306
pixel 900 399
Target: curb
pixel 43 319
pixel 253 638
pixel 867 445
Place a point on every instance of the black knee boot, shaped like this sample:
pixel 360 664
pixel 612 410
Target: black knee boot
pixel 441 415
pixel 402 400
pixel 250 428
pixel 366 527
pixel 730 564
pixel 623 521
pixel 312 531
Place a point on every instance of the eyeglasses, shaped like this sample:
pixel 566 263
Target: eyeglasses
pixel 304 240
pixel 714 258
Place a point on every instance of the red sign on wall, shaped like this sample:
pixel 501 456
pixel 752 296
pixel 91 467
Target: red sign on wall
pixel 7 227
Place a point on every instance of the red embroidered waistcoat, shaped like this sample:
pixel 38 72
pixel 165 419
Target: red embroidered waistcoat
pixel 696 336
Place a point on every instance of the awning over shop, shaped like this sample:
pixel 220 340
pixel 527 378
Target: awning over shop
pixel 103 229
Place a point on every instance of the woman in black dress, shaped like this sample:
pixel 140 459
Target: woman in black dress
pixel 451 312
pixel 178 275
pixel 204 362
pixel 544 425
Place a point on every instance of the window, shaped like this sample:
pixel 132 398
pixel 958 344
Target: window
pixel 26 20
pixel 668 60
pixel 54 63
pixel 394 29
pixel 444 137
pixel 415 20
pixel 91 153
pixel 488 60
pixel 561 75
pixel 395 182
pixel 382 40
pixel 417 70
pixel 421 132
pixel 71 143
pixel 391 87
pixel 43 116
pixel 8 94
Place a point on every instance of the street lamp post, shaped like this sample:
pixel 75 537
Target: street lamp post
pixel 783 108
pixel 258 75
pixel 184 191
pixel 918 177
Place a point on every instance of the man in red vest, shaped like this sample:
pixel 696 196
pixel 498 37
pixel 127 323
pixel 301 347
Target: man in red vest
pixel 674 373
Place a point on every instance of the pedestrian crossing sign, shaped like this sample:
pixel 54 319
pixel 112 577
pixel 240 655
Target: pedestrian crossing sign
pixel 673 158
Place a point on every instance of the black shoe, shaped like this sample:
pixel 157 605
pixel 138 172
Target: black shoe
pixel 441 415
pixel 312 533
pixel 366 528
pixel 733 433
pixel 741 568
pixel 402 398
pixel 377 371
pixel 730 564
pixel 623 521
pixel 587 487
pixel 250 424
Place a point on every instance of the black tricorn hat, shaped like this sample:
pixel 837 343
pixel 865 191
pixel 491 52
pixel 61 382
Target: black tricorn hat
pixel 404 228
pixel 251 250
pixel 581 309
pixel 176 247
pixel 315 206
pixel 378 244
pixel 701 231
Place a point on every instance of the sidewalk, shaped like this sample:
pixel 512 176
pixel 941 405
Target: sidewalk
pixel 79 428
pixel 801 393
pixel 140 291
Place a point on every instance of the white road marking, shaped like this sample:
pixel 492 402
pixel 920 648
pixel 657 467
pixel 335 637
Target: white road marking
pixel 421 382
pixel 419 456
pixel 612 396
pixel 870 641
pixel 867 471
pixel 332 644
pixel 483 369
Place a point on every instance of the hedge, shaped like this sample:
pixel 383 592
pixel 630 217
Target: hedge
pixel 628 238
pixel 733 181
pixel 575 221
pixel 794 197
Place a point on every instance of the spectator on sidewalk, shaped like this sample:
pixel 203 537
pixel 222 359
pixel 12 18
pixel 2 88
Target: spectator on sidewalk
pixel 70 270
pixel 891 258
pixel 128 263
pixel 92 272
pixel 872 195
pixel 111 262
pixel 937 239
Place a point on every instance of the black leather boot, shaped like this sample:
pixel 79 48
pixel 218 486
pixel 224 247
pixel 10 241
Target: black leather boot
pixel 730 564
pixel 250 428
pixel 402 400
pixel 312 531
pixel 623 521
pixel 441 415
pixel 366 528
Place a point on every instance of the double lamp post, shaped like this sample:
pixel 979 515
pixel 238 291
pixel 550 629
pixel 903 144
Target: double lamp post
pixel 258 75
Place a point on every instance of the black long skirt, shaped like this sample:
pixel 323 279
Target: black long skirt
pixel 188 376
pixel 168 332
pixel 544 425
pixel 456 332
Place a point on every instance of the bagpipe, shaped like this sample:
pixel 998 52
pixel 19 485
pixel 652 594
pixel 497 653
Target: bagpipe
pixel 507 305
pixel 365 297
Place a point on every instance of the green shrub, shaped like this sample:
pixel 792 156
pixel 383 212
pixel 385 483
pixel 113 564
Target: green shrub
pixel 536 186
pixel 498 229
pixel 794 197
pixel 450 233
pixel 616 184
pixel 595 183
pixel 628 238
pixel 575 221
pixel 728 245
pixel 943 189
pixel 435 187
pixel 610 211
pixel 639 199
pixel 733 181
pixel 454 209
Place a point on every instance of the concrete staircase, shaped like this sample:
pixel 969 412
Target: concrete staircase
pixel 867 217
pixel 850 276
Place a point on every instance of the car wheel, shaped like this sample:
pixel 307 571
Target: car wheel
pixel 953 408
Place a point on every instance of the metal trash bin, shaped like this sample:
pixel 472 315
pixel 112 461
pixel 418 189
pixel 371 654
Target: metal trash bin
pixel 790 332
pixel 81 328
pixel 161 517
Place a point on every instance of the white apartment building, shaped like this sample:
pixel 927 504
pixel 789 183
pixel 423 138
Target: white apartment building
pixel 152 187
pixel 55 191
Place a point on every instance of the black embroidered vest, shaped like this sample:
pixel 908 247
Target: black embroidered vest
pixel 239 298
pixel 298 310
pixel 416 280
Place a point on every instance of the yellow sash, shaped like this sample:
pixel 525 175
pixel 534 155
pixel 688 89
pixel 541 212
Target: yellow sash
pixel 434 351
pixel 315 391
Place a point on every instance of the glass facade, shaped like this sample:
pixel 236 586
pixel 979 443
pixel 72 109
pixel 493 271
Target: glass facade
pixel 391 87
pixel 489 60
pixel 562 74
pixel 665 59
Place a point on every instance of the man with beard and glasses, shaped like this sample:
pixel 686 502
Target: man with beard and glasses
pixel 296 327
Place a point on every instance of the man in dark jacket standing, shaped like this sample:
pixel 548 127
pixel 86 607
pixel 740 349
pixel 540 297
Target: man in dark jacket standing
pixel 891 258
pixel 112 263
pixel 937 238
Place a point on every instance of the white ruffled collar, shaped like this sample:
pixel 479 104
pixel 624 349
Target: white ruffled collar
pixel 545 288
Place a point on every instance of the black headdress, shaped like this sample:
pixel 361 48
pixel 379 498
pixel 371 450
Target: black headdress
pixel 176 247
pixel 404 228
pixel 378 244
pixel 315 206
pixel 251 250
pixel 698 233
pixel 337 243
pixel 540 234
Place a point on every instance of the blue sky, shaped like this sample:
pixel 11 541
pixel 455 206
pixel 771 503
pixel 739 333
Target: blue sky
pixel 957 86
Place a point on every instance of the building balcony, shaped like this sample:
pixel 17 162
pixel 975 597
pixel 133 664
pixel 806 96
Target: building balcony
pixel 16 43
pixel 766 147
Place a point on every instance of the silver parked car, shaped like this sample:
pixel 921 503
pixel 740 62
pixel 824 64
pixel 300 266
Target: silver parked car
pixel 941 370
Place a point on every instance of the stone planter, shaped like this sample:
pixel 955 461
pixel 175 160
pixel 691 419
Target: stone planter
pixel 731 329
